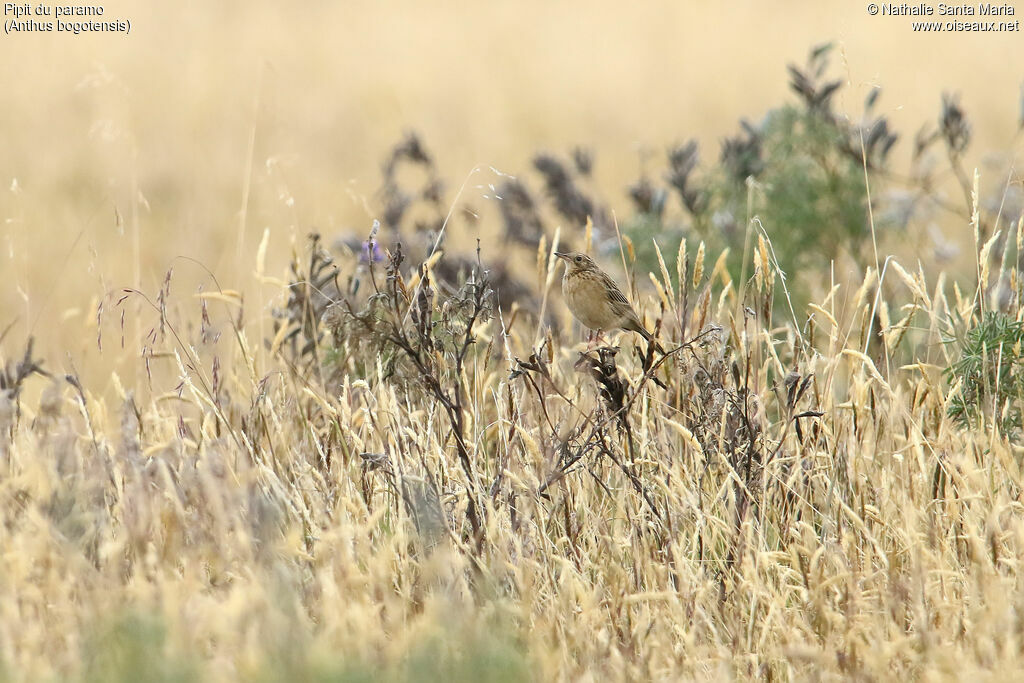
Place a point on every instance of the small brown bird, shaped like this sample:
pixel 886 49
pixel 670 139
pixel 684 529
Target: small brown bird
pixel 594 298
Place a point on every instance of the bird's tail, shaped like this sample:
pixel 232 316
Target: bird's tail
pixel 642 331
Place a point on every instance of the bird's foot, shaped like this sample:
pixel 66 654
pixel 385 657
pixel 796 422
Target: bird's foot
pixel 594 341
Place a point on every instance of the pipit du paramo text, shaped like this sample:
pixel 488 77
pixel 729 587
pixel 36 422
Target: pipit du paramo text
pixel 32 18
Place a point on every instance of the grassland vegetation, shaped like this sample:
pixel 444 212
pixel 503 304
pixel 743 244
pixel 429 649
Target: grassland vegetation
pixel 419 471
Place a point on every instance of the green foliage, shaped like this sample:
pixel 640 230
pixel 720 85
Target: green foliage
pixel 809 190
pixel 133 649
pixel 477 658
pixel 456 654
pixel 991 370
pixel 800 170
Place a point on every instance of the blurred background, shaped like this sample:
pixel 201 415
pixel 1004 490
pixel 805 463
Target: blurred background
pixel 213 123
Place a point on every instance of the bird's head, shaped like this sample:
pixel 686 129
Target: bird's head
pixel 576 261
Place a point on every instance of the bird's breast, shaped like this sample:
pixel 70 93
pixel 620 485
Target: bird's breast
pixel 588 301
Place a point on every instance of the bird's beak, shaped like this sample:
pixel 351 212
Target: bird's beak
pixel 562 255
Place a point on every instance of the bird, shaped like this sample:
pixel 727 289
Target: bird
pixel 595 300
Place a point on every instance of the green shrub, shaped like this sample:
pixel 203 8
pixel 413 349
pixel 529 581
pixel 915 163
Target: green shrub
pixel 990 369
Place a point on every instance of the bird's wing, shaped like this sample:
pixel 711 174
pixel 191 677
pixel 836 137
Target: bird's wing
pixel 614 293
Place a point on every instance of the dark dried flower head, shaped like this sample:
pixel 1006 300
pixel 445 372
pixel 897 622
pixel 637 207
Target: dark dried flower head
pixel 956 130
pixel 583 158
pixel 519 213
pixel 816 97
pixel 807 82
pixel 878 142
pixel 569 200
pixel 434 191
pixel 682 160
pixel 410 149
pixel 610 384
pixel 397 199
pixel 12 376
pixel 741 155
pixel 395 204
pixel 648 199
pixel 553 170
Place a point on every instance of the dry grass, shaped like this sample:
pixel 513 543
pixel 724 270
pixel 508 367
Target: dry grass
pixel 418 502
pixel 217 481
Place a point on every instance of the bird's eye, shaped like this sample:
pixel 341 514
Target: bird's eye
pixel 579 259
